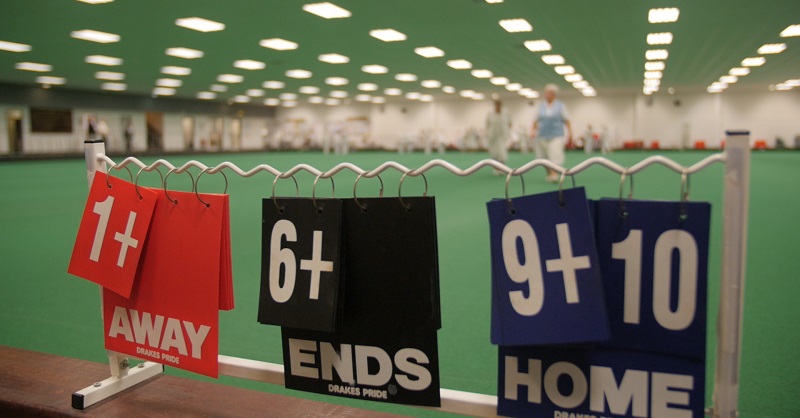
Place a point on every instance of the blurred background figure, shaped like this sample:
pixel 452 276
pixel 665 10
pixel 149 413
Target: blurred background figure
pixel 589 140
pixel 552 130
pixel 498 125
pixel 129 131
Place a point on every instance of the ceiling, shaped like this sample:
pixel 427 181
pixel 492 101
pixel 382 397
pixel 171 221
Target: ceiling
pixel 604 41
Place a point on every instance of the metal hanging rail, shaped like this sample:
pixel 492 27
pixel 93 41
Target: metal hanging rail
pixel 736 182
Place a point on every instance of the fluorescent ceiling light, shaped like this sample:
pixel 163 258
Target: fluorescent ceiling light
pixel 564 69
pixel 431 84
pixel 782 87
pixel 278 44
pixel 332 102
pixel 168 82
pixel 114 86
pixel 95 1
pixel 664 15
pixel 103 60
pixel 652 82
pixel 589 92
pixel 206 95
pixel 14 47
pixel 50 80
pixel 478 96
pixel 327 10
pixel 336 81
pixel 739 71
pixel 374 69
pixel 481 73
pixel 289 103
pixel 316 100
pixel 653 74
pixel 298 74
pixel 656 54
pixel 378 100
pixel 662 38
pixel 516 25
pixel 219 88
pixel 95 36
pixel 426 98
pixel 719 84
pixel 553 59
pixel 163 91
pixel 363 98
pixel 173 70
pixel 186 53
pixel 793 30
pixel 459 64
pixel 368 87
pixel 754 61
pixel 388 35
pixel 654 66
pixel 413 95
pixel 494 1
pixel 728 79
pixel 793 82
pixel 272 102
pixel 393 92
pixel 429 52
pixel 334 58
pixel 254 92
pixel 712 89
pixel 288 96
pixel 33 66
pixel 499 81
pixel 449 89
pixel 109 75
pixel 513 87
pixel 580 84
pixel 573 78
pixel 539 45
pixel 241 99
pixel 309 89
pixel 274 85
pixel 230 78
pixel 771 49
pixel 339 94
pixel 200 24
pixel 249 65
pixel 466 93
pixel 405 77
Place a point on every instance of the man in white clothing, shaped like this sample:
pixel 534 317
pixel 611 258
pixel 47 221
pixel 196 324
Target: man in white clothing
pixel 552 130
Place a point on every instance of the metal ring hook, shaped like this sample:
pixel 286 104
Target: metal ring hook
pixel 684 193
pixel 274 182
pixel 117 167
pixel 197 186
pixel 400 189
pixel 561 186
pixel 166 179
pixel 622 211
pixel 314 191
pixel 511 209
pixel 136 182
pixel 355 186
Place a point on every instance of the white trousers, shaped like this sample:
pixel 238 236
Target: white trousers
pixel 551 149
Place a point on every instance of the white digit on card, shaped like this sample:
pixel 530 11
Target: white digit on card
pixel 126 239
pixel 316 265
pixel 282 257
pixel 567 263
pixel 530 271
pixel 104 210
pixel 686 245
pixel 630 251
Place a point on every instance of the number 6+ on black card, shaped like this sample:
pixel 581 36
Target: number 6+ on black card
pixel 300 263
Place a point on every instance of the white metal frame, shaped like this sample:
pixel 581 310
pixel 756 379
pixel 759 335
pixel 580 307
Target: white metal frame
pixel 736 159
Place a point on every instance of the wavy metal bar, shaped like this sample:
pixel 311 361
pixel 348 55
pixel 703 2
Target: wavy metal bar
pixel 430 165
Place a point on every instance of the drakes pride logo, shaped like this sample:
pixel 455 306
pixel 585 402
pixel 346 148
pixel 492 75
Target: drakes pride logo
pixel 355 365
pixel 158 334
pixel 639 393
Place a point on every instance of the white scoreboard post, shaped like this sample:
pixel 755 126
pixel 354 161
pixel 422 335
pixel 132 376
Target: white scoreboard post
pixel 734 257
